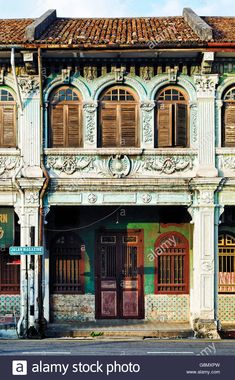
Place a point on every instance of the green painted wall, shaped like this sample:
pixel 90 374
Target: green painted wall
pixel 126 218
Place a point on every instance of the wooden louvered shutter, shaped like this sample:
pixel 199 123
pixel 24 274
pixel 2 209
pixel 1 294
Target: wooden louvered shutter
pixel 74 134
pixel 57 126
pixel 181 125
pixel 8 125
pixel 164 124
pixel 229 125
pixel 109 125
pixel 128 124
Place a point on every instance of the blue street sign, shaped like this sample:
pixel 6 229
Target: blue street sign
pixel 16 251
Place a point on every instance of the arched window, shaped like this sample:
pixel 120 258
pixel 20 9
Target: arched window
pixel 7 119
pixel 172 263
pixel 226 245
pixel 228 119
pixel 66 118
pixel 118 118
pixel 172 118
pixel 67 264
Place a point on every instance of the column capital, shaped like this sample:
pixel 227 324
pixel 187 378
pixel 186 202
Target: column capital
pixel 205 85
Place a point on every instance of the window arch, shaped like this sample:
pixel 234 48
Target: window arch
pixel 172 118
pixel 226 246
pixel 67 264
pixel 172 263
pixel 7 119
pixel 118 118
pixel 66 118
pixel 228 119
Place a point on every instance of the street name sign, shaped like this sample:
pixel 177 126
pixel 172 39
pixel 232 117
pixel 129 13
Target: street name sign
pixel 16 251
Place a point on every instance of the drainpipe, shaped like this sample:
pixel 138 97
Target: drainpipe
pixel 15 78
pixel 22 328
pixel 41 318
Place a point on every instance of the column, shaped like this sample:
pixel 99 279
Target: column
pixel 205 87
pixel 202 300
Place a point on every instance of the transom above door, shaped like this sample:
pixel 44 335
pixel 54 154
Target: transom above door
pixel 119 274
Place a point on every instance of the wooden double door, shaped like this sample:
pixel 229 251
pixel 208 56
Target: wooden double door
pixel 119 275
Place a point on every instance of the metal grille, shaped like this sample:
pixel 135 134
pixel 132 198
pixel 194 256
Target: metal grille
pixel 67 265
pixel 129 261
pixel 172 265
pixel 226 245
pixel 9 274
pixel 108 261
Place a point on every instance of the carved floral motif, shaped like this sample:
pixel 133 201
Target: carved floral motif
pixel 90 117
pixel 69 164
pixel 205 85
pixel 29 85
pixel 168 165
pixel 31 197
pixel 8 164
pixel 147 121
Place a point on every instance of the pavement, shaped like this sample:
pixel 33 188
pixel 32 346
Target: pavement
pixel 107 347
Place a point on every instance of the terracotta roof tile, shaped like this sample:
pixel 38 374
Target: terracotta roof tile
pixel 223 28
pixel 117 32
pixel 12 30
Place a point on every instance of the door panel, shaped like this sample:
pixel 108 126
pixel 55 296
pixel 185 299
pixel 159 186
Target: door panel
pixel 119 274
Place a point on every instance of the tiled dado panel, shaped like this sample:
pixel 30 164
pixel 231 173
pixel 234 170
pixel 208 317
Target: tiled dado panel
pixel 227 307
pixel 167 308
pixel 10 304
pixel 82 307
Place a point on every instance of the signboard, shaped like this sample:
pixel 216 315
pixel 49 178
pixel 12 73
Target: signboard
pixel 16 251
pixel 6 227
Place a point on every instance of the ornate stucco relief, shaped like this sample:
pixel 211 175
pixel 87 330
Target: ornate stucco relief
pixel 119 165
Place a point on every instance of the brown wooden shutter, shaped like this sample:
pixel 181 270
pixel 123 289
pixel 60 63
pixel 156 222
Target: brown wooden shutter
pixel 57 126
pixel 128 124
pixel 229 125
pixel 109 125
pixel 181 125
pixel 74 128
pixel 164 124
pixel 8 125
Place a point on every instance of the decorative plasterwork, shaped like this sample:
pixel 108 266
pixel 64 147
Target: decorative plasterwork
pixel 32 197
pixel 193 122
pixel 205 85
pixel 206 197
pixel 119 166
pixel 29 85
pixel 162 80
pixel 147 121
pixel 92 198
pixel 227 162
pixel 99 84
pixel 8 164
pixel 207 266
pixel 90 121
pixel 168 165
pixel 69 164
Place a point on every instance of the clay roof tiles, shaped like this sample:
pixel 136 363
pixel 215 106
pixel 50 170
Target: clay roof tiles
pixel 117 32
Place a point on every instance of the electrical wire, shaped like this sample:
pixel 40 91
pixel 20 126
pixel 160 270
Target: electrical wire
pixel 86 226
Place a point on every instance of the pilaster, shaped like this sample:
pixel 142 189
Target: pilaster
pixel 205 87
pixel 203 298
